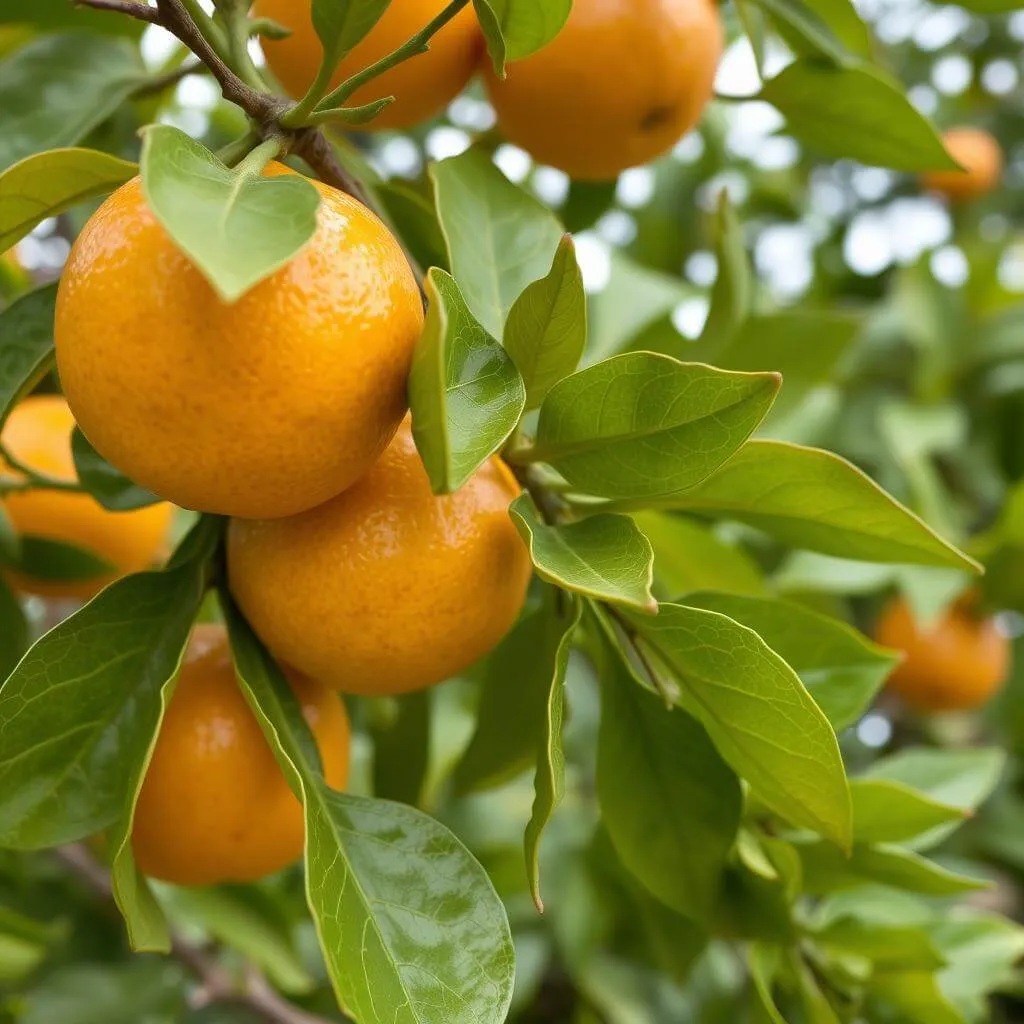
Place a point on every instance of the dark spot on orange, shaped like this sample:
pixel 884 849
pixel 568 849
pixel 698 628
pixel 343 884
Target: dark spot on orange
pixel 656 117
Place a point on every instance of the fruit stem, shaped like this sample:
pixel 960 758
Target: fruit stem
pixel 258 158
pixel 133 8
pixel 33 481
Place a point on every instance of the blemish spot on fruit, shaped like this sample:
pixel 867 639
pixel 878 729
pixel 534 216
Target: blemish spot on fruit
pixel 656 117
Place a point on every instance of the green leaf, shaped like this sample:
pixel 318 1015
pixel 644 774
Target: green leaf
pixel 810 498
pixel 828 869
pixel 82 709
pixel 409 923
pixel 841 668
pixel 763 962
pixel 236 226
pixel 516 28
pixel 466 394
pixel 105 483
pixel 549 779
pixel 732 293
pixel 642 425
pixel 546 331
pixel 758 714
pixel 47 184
pixel 857 113
pixel 669 802
pixel 916 996
pixel 806 32
pixel 42 558
pixel 846 24
pixel 26 346
pixel 343 24
pixel 500 238
pixel 415 221
pixel 14 634
pixel 890 812
pixel 605 556
pixel 57 89
pixel 401 748
pixel 892 948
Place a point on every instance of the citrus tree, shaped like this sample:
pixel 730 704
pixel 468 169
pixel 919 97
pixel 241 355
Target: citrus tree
pixel 415 610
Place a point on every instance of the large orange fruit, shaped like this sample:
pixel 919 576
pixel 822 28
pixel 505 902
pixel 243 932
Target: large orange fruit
pixel 38 435
pixel 215 806
pixel 619 86
pixel 386 589
pixel 422 86
pixel 958 663
pixel 266 407
pixel 981 159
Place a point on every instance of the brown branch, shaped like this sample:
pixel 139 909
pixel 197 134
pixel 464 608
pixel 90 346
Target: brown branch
pixel 216 984
pixel 162 82
pixel 139 10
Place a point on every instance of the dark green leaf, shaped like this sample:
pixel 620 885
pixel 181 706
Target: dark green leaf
pixel 810 498
pixel 546 331
pixel 236 226
pixel 49 183
pixel 401 748
pixel 733 290
pixel 466 394
pixel 42 558
pixel 670 804
pixel 890 812
pixel 605 556
pixel 500 239
pixel 586 202
pixel 642 425
pixel 758 714
pixel 13 630
pixel 26 345
pixel 56 89
pixel 342 24
pixel 407 919
pixel 516 28
pixel 841 668
pixel 415 222
pixel 889 947
pixel 857 113
pixel 105 483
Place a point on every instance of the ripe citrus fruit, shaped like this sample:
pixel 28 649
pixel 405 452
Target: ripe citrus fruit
pixel 38 435
pixel 982 161
pixel 266 407
pixel 958 663
pixel 387 588
pixel 618 86
pixel 215 806
pixel 422 86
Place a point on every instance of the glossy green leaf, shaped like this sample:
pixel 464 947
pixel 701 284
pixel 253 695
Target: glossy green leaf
pixel 857 113
pixel 47 184
pixel 916 996
pixel 642 425
pixel 56 89
pixel 546 331
pixel 890 812
pixel 342 24
pixel 410 926
pixel 500 239
pixel 899 948
pixel 733 290
pixel 81 711
pixel 516 28
pixel 828 869
pixel 105 483
pixel 401 747
pixel 26 345
pixel 757 713
pixel 669 802
pixel 605 556
pixel 549 778
pixel 57 561
pixel 811 498
pixel 466 394
pixel 842 669
pixel 236 226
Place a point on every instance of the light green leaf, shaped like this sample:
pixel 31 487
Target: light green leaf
pixel 342 24
pixel 47 184
pixel 236 226
pixel 763 962
pixel 892 948
pixel 466 394
pixel 842 669
pixel 810 498
pixel 669 802
pixel 410 926
pixel 56 89
pixel 105 483
pixel 26 345
pixel 642 425
pixel 890 812
pixel 516 28
pixel 605 556
pixel 549 779
pixel 857 113
pixel 733 290
pixel 500 239
pixel 805 30
pixel 916 996
pixel 401 747
pixel 546 331
pixel 846 24
pixel 758 714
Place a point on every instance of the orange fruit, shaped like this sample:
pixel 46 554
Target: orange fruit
pixel 215 806
pixel 38 435
pixel 978 154
pixel 956 664
pixel 262 408
pixel 422 86
pixel 387 588
pixel 618 86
